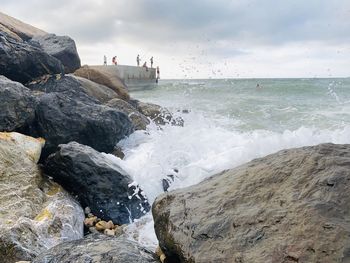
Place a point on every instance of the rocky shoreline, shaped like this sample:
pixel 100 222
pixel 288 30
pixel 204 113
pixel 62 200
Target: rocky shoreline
pixel 62 201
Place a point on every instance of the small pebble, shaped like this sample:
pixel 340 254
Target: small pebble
pixel 87 210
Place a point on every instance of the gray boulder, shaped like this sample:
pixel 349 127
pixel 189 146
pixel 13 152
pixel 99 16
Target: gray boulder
pixel 22 62
pixel 67 85
pixel 61 47
pixel 61 118
pixel 98 249
pixel 17 105
pixel 98 183
pixel 139 120
pixel 35 214
pixel 292 206
pixel 156 113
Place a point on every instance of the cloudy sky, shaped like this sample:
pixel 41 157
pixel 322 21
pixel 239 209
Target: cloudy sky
pixel 203 38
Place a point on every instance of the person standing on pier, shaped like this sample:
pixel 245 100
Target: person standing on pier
pixel 138 60
pixel 151 62
pixel 158 73
pixel 114 60
pixel 104 60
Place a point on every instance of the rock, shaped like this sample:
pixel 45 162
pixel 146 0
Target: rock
pixel 292 206
pixel 103 78
pixel 100 92
pixel 61 47
pixel 61 119
pixel 90 221
pixel 17 105
pixel 102 225
pixel 35 214
pixel 22 62
pixel 97 182
pixel 93 230
pixel 87 210
pixel 109 232
pixel 139 120
pixel 98 248
pixel 156 113
pixel 22 30
pixel 67 85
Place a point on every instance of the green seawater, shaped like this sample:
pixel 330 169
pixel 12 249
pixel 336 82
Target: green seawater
pixel 251 104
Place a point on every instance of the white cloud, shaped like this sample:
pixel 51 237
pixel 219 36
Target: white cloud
pixel 203 38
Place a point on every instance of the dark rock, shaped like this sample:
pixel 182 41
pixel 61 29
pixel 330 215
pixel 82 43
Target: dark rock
pixel 139 120
pixel 22 62
pixel 67 85
pixel 98 183
pixel 156 113
pixel 61 47
pixel 17 105
pixel 99 249
pixel 61 118
pixel 292 206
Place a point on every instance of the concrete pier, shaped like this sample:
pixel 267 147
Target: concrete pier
pixel 134 77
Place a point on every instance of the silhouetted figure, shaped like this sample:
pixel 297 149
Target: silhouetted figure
pixel 151 62
pixel 158 73
pixel 105 60
pixel 145 65
pixel 138 60
pixel 114 60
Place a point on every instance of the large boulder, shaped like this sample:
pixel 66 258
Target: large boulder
pixel 18 29
pixel 61 118
pixel 17 105
pixel 104 78
pixel 100 92
pixel 98 183
pixel 22 62
pixel 67 85
pixel 139 120
pixel 292 206
pixel 98 248
pixel 35 214
pixel 61 47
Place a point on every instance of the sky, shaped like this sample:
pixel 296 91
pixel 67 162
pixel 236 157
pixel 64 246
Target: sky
pixel 203 38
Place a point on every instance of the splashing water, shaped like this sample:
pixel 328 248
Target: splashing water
pixel 229 122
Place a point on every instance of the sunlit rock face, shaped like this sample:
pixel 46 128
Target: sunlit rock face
pixel 35 214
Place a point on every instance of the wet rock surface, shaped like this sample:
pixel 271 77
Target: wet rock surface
pixel 97 182
pixel 156 113
pixel 22 62
pixel 61 47
pixel 35 214
pixel 292 206
pixel 139 120
pixel 17 105
pixel 98 248
pixel 61 119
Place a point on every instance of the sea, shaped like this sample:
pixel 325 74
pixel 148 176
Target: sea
pixel 228 122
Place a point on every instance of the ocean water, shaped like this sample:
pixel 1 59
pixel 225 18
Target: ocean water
pixel 229 122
